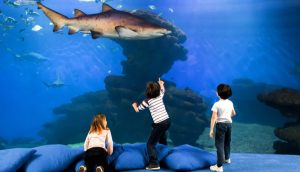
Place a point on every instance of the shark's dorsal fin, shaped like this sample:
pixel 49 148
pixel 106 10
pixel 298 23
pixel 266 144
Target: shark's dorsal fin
pixel 78 13
pixel 106 8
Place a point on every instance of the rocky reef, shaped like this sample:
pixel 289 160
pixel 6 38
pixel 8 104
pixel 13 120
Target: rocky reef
pixel 146 60
pixel 287 101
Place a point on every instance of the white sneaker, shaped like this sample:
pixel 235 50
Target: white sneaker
pixel 82 168
pixel 99 169
pixel 216 168
pixel 227 161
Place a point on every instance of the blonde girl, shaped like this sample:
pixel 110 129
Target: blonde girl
pixel 94 146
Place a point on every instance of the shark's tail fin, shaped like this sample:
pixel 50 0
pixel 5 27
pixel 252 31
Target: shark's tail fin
pixel 56 18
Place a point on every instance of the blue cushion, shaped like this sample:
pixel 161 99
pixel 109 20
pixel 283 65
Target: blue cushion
pixel 135 156
pixel 186 158
pixel 12 159
pixel 118 150
pixel 52 158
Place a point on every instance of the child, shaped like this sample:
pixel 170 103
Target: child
pixel 222 111
pixel 94 146
pixel 154 102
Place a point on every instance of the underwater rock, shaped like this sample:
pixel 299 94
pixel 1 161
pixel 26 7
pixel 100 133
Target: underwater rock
pixel 287 101
pixel 146 60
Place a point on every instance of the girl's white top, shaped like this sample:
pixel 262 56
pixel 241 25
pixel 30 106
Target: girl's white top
pixel 99 140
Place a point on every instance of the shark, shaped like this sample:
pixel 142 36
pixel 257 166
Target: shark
pixel 110 23
pixel 55 84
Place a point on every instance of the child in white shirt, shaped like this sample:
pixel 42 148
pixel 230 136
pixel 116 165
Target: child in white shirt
pixel 222 111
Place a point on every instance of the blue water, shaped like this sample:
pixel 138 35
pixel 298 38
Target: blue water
pixel 226 40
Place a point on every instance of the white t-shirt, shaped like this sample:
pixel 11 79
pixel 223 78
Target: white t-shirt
pixel 98 140
pixel 224 110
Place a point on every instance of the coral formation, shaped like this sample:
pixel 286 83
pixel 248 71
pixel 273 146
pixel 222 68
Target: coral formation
pixel 287 101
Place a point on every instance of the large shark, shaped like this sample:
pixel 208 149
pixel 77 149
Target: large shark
pixel 110 23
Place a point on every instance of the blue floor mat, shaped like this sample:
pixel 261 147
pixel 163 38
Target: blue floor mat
pixel 247 162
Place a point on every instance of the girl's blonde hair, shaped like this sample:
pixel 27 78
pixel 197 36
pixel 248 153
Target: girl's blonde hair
pixel 98 124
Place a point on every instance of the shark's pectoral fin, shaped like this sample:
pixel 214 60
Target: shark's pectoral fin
pixel 56 27
pixel 96 35
pixel 78 13
pixel 72 30
pixel 124 32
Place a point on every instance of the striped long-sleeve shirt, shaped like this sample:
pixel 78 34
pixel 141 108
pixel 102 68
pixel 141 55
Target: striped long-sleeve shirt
pixel 156 107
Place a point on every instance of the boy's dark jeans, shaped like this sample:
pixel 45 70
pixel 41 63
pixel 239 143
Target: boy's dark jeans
pixel 158 134
pixel 222 141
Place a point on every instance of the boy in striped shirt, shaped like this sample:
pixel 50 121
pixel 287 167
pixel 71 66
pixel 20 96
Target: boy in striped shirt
pixel 161 123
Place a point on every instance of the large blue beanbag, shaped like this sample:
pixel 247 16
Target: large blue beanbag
pixel 186 158
pixel 52 158
pixel 135 156
pixel 12 159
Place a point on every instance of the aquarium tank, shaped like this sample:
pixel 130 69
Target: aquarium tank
pixel 58 73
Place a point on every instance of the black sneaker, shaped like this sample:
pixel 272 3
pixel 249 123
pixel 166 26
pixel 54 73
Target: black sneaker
pixel 153 167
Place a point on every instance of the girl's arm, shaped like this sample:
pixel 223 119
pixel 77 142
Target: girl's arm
pixel 212 124
pixel 109 143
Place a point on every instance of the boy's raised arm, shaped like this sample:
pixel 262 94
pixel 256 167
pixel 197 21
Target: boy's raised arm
pixel 135 107
pixel 161 84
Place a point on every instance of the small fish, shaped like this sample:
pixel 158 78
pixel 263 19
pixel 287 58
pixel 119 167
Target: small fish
pixel 24 2
pixel 10 20
pixel 34 13
pixel 109 71
pixel 171 10
pixel 152 7
pixel 51 24
pixel 36 28
pixel 30 19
